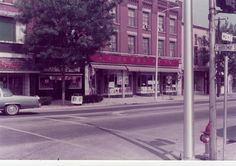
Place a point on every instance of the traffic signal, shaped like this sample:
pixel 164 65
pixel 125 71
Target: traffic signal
pixel 227 6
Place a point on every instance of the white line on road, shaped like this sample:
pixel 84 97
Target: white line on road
pixel 42 136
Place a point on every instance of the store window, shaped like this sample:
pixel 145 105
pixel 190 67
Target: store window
pixel 8 29
pixel 146 84
pixel 113 83
pixel 45 83
pixel 131 17
pixel 75 82
pixel 12 82
pixel 131 44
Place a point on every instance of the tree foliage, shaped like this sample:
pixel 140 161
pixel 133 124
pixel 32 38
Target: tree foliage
pixel 66 32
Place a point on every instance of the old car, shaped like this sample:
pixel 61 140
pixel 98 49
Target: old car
pixel 11 104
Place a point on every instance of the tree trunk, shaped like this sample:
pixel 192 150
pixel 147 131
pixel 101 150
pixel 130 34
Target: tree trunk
pixel 63 85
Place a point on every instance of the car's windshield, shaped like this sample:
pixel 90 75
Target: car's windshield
pixel 6 93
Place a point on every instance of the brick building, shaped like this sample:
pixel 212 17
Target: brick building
pixel 127 67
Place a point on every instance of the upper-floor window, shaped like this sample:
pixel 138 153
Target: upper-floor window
pixel 172 26
pixel 131 17
pixel 131 44
pixel 161 25
pixel 146 20
pixel 8 29
pixel 172 49
pixel 113 43
pixel 146 46
pixel 161 47
pixel 114 14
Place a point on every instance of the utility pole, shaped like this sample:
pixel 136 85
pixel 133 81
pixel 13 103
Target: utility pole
pixel 212 93
pixel 188 82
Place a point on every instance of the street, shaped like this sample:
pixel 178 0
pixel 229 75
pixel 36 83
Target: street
pixel 139 132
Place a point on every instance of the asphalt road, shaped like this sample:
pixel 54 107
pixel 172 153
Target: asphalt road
pixel 140 131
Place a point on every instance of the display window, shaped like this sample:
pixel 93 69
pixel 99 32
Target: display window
pixel 146 84
pixel 113 83
pixel 45 83
pixel 75 82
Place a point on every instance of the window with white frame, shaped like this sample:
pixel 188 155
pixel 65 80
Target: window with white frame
pixel 131 44
pixel 161 47
pixel 146 46
pixel 113 43
pixel 172 49
pixel 145 20
pixel 161 22
pixel 8 29
pixel 131 17
pixel 172 26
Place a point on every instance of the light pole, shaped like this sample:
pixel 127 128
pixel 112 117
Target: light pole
pixel 188 82
pixel 156 67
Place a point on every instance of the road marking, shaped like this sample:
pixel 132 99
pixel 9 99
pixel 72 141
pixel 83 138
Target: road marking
pixel 42 136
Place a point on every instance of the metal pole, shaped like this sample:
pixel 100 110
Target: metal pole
pixel 212 88
pixel 225 104
pixel 188 82
pixel 156 67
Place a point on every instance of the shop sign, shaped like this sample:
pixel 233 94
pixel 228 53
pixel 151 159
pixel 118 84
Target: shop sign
pixel 111 84
pixel 151 82
pixel 14 64
pixel 133 60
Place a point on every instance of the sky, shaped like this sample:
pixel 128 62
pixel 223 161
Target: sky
pixel 200 13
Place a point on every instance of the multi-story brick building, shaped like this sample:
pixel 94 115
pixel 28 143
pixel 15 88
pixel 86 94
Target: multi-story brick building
pixel 127 67
pixel 16 69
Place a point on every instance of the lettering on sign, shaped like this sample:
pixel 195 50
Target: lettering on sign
pixel 225 47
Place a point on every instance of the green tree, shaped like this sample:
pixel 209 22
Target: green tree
pixel 230 28
pixel 64 33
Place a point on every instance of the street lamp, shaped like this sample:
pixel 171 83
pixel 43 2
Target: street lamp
pixel 156 67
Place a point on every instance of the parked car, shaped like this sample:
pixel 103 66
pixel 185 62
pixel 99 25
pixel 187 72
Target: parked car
pixel 11 104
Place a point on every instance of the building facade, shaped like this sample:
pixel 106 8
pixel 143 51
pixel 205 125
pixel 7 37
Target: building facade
pixel 127 66
pixel 201 59
pixel 18 71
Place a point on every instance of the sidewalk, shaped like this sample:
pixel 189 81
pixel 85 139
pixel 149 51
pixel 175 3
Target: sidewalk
pixel 165 99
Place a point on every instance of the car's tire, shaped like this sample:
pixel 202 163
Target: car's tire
pixel 11 109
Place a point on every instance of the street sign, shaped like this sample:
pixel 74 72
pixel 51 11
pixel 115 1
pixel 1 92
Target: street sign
pixel 227 6
pixel 227 37
pixel 225 47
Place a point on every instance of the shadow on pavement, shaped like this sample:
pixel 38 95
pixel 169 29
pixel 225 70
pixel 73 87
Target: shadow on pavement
pixel 231 134
pixel 152 146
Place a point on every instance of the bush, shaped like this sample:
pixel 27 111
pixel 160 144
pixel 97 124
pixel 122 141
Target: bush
pixel 45 100
pixel 92 98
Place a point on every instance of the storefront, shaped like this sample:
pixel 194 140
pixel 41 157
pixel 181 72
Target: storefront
pixel 120 76
pixel 49 83
pixel 15 75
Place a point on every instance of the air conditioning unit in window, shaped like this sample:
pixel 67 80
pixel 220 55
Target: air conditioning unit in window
pixel 146 27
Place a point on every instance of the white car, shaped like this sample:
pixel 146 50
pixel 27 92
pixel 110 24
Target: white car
pixel 11 104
